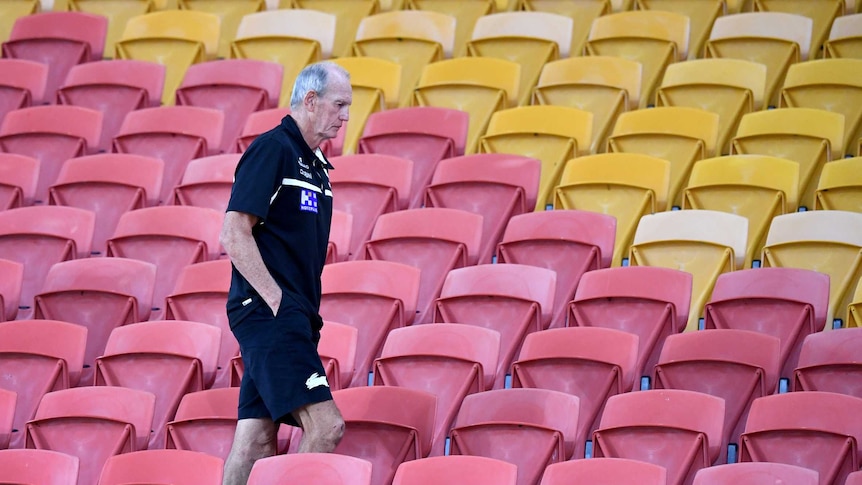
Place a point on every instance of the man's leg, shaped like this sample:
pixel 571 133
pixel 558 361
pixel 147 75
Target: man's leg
pixel 255 438
pixel 322 427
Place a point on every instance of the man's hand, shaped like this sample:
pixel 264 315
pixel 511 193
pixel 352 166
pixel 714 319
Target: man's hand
pixel 237 239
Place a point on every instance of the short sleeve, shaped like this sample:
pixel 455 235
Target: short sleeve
pixel 257 178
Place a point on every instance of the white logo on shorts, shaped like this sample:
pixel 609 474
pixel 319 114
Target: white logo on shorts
pixel 315 381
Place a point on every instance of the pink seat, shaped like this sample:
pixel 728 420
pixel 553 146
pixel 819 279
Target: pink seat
pixel 257 123
pixel 38 466
pixel 569 242
pixel 177 467
pixel 829 361
pixel 10 288
pixel 8 400
pixel 317 468
pixel 496 186
pixel 756 474
pixel 337 349
pixel 854 478
pixel 207 182
pixel 604 470
pixel 475 470
pixel 205 422
pixel 19 175
pixel 424 135
pixel 22 84
pixel 340 233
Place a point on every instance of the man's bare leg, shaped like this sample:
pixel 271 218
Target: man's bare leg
pixel 254 439
pixel 322 427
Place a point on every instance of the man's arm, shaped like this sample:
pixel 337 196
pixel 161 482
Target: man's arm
pixel 237 240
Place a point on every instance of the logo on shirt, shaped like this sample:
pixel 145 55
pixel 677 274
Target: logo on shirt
pixel 308 201
pixel 301 164
pixel 316 380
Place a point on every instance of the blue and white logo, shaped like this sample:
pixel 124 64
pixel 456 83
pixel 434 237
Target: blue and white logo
pixel 308 201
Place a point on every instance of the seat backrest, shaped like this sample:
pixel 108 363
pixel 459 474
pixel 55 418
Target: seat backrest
pixel 823 72
pixel 38 466
pixel 178 467
pixel 206 277
pixel 689 123
pixel 561 121
pixel 193 223
pixel 651 24
pixel 845 26
pixel 8 401
pixel 318 468
pixel 375 169
pixel 620 169
pixel 713 227
pixel 839 185
pixel 475 71
pixel 74 26
pixel 756 473
pixel 736 73
pixel 533 25
pixel 393 280
pixel 10 288
pixel 433 121
pixel 68 121
pixel 116 169
pixel 373 73
pixel 259 122
pixel 828 362
pixel 23 74
pixel 192 339
pixel 799 122
pixel 767 25
pixel 69 223
pixel 298 23
pixel 204 123
pixel 20 175
pixel 755 171
pixel 250 73
pixel 191 25
pixel 435 223
pixel 615 72
pixel 410 24
pixel 841 227
pixel 476 470
pixel 214 168
pixel 149 76
pixel 612 470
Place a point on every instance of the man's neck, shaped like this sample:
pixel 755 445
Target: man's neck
pixel 304 125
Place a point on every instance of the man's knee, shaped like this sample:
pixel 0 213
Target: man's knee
pixel 322 426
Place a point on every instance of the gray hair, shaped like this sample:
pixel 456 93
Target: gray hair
pixel 314 77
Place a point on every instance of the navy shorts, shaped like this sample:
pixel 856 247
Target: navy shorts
pixel 282 369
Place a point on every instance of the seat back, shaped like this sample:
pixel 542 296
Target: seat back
pixel 844 37
pixel 319 468
pixel 205 422
pixel 257 123
pixel 616 470
pixel 20 174
pixel 8 400
pixel 839 186
pixel 827 363
pixel 10 288
pixel 38 466
pixel 448 469
pixel 22 84
pixel 179 467
pixel 756 473
pixel 207 182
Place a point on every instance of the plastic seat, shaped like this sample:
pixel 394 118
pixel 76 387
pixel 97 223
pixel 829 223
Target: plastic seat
pixel 170 238
pixel 753 186
pixel 38 237
pixel 829 362
pixel 830 84
pixel 550 134
pixel 854 317
pixel 810 137
pixel 18 177
pixel 108 184
pixel 92 424
pixel 38 356
pixel 168 358
pixel 590 363
pixel 117 13
pixel 52 135
pixel 236 87
pixel 676 134
pixel 774 39
pixel 22 84
pixel 175 38
pixel 495 186
pixel 826 241
pixel 450 361
pixel 652 37
pixel 435 240
pixel 605 470
pixel 337 349
pixel 423 135
pixel 854 478
pixel 703 243
pixel 478 85
pixel 59 40
pixel 840 186
pixel 530 428
pixel 10 290
pixel 207 182
pixel 375 297
pixel 340 235
pixel 727 87
pixel 8 400
pixel 176 134
pixel 205 422
pixel 388 425
pixel 292 38
pixel 257 123
pixel 603 86
pixel 409 38
pixel 816 430
pixel 38 466
pixel 685 426
pixel 652 303
pixel 845 38
pixel 177 467
pixel 230 13
pixel 318 468
pixel 756 474
pixel 702 15
pixel 581 13
pixel 348 14
pixel 822 14
pixel 476 470
pixel 467 13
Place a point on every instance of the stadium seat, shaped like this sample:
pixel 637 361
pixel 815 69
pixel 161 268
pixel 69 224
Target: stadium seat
pixel 18 177
pixel 230 14
pixel 605 470
pixel 603 86
pixel 679 430
pixel 854 478
pixel 550 134
pixel 340 235
pixel 590 363
pixel 702 15
pixel 348 15
pixel 756 474
pixel 10 289
pixel 855 309
pixel 8 400
pixel 679 135
pixel 177 467
pixel 317 468
pixel 840 186
pixel 581 13
pixel 845 38
pixel 466 13
pixel 822 14
pixel 259 122
pixel 476 470
pixel 495 186
pixel 117 13
pixel 337 349
pixel 816 430
pixel 810 137
pixel 829 362
pixel 205 422
pixel 22 84
pixel 207 182
pixel 38 466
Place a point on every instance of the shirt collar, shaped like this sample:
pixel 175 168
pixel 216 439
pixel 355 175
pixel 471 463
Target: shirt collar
pixel 289 124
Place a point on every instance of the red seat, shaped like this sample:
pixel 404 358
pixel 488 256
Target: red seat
pixel 496 186
pixel 590 363
pixel 513 299
pixel 52 135
pixel 424 135
pixel 205 422
pixel 337 349
pixel 108 184
pixel 604 470
pixel 177 467
pixel 19 175
pixel 22 84
pixel 207 182
pixel 236 87
pixel 340 233
pixel 8 400
pixel 316 468
pixel 176 134
pixel 38 466
pixel 829 361
pixel 854 478
pixel 92 424
pixel 650 302
pixel 569 242
pixel 257 123
pixel 10 288
pixel 530 428
pixel 475 470
pixel 115 88
pixel 756 474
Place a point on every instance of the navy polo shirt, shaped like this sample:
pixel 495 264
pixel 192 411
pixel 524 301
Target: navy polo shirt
pixel 285 184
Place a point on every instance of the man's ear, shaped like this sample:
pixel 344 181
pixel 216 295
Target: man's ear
pixel 310 100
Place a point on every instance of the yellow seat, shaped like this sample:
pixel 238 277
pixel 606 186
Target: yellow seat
pixel 293 38
pixel 799 134
pixel 10 10
pixel 604 86
pixel 349 13
pixel 773 39
pixel 703 243
pixel 582 13
pixel 478 85
pixel 831 84
pixel 466 11
pixel 854 311
pixel 230 12
pixel 840 186
pixel 681 136
pixel 530 39
pixel 411 38
pixel 845 38
pixel 376 84
pixel 173 38
pixel 821 12
pixel 653 38
pixel 118 13
pixel 702 14
pixel 757 187
pixel 551 134
pixel 826 241
pixel 729 88
pixel 624 185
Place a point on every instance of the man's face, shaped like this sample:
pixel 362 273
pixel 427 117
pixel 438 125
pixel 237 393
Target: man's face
pixel 332 108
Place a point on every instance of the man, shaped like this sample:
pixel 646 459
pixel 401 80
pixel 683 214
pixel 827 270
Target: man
pixel 275 231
